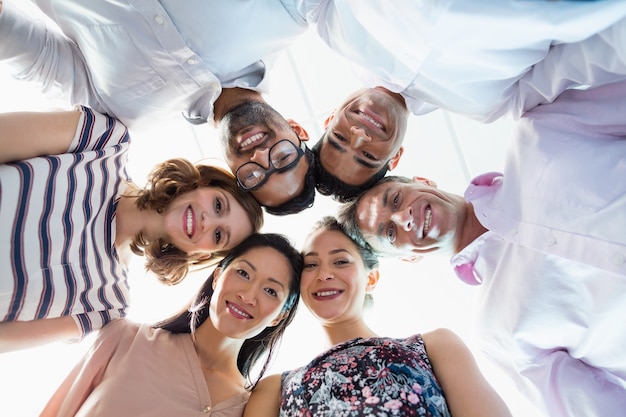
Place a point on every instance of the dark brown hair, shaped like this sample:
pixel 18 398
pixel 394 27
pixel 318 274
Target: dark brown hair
pixel 196 312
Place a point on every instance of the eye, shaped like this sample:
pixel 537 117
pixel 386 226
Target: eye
pixel 218 236
pixel 309 265
pixel 218 205
pixel 370 156
pixel 243 273
pixel 271 292
pixel 339 137
pixel 342 262
pixel 391 233
pixel 396 200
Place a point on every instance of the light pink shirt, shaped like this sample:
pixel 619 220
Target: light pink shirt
pixel 553 265
pixel 136 370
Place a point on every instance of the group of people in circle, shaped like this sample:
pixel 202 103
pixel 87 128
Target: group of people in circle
pixel 73 217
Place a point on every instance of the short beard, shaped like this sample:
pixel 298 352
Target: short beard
pixel 246 114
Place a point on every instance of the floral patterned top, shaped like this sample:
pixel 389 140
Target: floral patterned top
pixel 365 377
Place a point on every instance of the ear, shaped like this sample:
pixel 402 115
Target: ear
pixel 425 181
pixel 199 257
pixel 329 119
pixel 393 162
pixel 300 131
pixel 279 318
pixel 216 275
pixel 413 258
pixel 372 280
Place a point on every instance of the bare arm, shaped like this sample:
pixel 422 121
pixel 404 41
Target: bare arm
pixel 25 135
pixel 16 335
pixel 265 398
pixel 467 391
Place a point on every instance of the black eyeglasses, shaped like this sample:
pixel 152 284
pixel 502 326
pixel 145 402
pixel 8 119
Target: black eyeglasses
pixel 283 155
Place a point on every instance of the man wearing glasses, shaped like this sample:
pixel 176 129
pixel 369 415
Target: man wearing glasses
pixel 265 151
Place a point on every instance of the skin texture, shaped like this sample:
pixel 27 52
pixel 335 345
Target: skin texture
pixel 331 260
pixel 218 221
pixel 364 134
pixel 248 127
pixel 416 218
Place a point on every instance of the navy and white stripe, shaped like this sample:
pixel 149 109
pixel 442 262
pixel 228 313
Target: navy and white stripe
pixel 57 229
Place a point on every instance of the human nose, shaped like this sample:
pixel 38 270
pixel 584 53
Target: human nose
pixel 325 274
pixel 359 137
pixel 247 296
pixel 262 157
pixel 403 218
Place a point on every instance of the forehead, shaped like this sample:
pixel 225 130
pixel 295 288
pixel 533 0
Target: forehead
pixel 374 207
pixel 322 241
pixel 268 262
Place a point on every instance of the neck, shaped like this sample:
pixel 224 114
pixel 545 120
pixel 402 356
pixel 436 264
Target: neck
pixel 472 229
pixel 344 331
pixel 130 220
pixel 230 98
pixel 216 351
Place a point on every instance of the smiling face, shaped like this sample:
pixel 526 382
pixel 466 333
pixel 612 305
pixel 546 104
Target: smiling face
pixel 206 220
pixel 363 135
pixel 250 293
pixel 404 218
pixel 334 279
pixel 247 132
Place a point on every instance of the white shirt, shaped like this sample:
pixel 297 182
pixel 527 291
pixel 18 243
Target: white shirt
pixel 467 56
pixel 129 58
pixel 553 264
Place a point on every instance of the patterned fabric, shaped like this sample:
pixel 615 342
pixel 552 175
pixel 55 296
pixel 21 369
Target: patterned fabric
pixel 57 229
pixel 365 377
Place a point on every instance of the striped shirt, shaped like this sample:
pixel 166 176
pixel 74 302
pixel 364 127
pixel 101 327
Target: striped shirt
pixel 57 229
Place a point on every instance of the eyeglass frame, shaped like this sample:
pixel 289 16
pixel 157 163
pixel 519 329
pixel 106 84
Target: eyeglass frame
pixel 272 169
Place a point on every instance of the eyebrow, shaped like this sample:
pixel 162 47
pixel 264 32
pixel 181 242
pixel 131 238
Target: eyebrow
pixel 358 160
pixel 332 252
pixel 227 210
pixel 384 199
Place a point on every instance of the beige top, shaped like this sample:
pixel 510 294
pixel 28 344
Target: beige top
pixel 135 370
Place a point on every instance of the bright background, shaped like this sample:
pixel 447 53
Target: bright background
pixel 308 81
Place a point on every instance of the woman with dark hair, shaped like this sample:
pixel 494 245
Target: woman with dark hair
pixel 363 374
pixel 200 360
pixel 72 217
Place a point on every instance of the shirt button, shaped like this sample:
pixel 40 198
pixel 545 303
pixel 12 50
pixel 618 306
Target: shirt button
pixel 552 241
pixel 206 409
pixel 619 259
pixel 192 61
pixel 158 19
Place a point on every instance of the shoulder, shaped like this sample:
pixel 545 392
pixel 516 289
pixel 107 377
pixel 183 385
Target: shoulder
pixel 269 384
pixel 441 341
pixel 265 397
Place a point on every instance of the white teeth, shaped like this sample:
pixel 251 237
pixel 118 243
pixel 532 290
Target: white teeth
pixel 428 215
pixel 189 222
pixel 374 122
pixel 326 293
pixel 251 139
pixel 240 312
